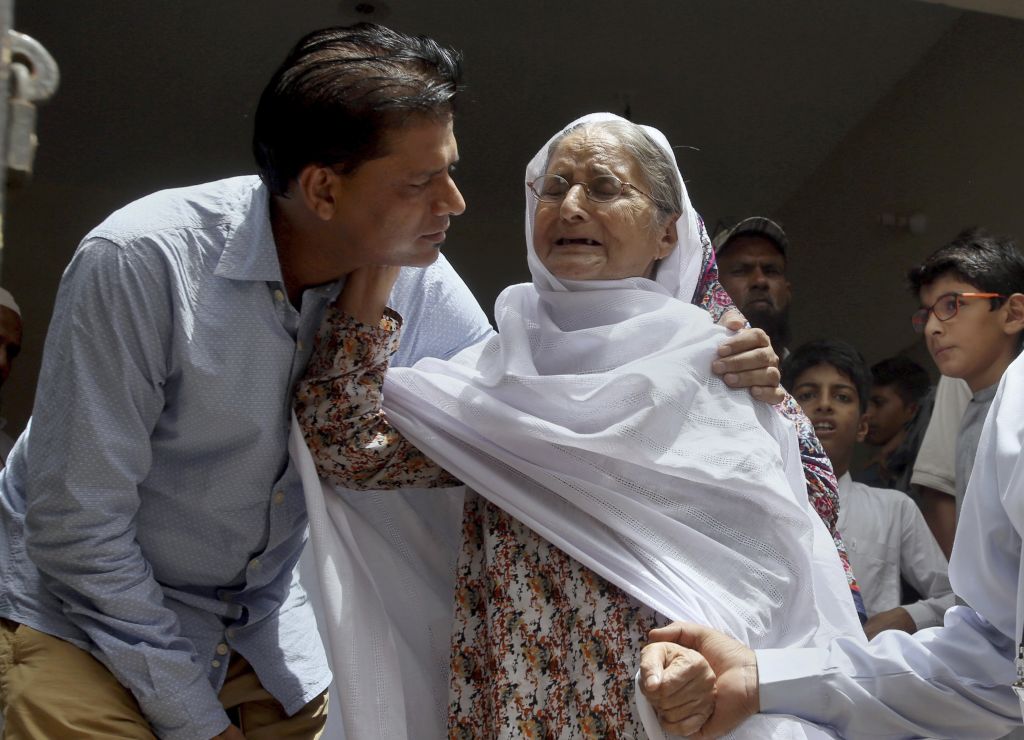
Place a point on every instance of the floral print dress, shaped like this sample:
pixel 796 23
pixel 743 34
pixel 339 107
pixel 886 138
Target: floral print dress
pixel 542 647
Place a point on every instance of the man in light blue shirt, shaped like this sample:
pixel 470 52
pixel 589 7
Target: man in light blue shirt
pixel 149 514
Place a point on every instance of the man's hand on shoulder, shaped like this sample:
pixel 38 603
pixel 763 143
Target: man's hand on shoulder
pixel 747 360
pixel 734 664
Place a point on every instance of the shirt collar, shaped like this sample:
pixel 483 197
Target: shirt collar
pixel 844 481
pixel 249 250
pixel 985 394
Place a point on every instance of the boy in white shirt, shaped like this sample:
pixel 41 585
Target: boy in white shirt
pixel 885 534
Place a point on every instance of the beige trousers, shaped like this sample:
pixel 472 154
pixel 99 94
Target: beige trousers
pixel 51 689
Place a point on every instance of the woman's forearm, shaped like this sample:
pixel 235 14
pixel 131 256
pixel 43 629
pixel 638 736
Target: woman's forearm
pixel 338 405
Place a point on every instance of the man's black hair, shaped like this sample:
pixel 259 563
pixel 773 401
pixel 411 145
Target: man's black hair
pixel 990 263
pixel 909 380
pixel 843 356
pixel 340 90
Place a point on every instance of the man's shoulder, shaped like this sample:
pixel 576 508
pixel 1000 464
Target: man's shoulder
pixel 206 206
pixel 442 316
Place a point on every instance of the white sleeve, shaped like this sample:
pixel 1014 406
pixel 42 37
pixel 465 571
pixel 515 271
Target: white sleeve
pixel 951 681
pixel 934 465
pixel 985 567
pixel 923 566
pixel 954 680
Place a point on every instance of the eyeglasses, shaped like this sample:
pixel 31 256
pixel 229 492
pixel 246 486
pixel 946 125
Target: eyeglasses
pixel 602 189
pixel 945 308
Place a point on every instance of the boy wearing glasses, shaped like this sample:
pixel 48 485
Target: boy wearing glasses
pixel 972 316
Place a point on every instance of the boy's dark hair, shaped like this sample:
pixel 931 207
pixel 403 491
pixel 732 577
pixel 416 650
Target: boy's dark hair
pixel 990 263
pixel 340 90
pixel 843 356
pixel 909 380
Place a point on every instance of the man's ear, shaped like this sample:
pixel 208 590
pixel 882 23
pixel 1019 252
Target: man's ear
pixel 316 188
pixel 862 428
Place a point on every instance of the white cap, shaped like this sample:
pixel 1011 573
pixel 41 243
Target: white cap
pixel 6 299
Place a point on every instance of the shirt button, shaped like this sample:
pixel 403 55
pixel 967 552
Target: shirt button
pixel 222 649
pixel 279 296
pixel 254 563
pixel 300 345
pixel 215 663
pixel 279 498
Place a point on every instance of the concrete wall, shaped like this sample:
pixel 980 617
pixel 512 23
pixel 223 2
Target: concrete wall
pixel 159 95
pixel 948 141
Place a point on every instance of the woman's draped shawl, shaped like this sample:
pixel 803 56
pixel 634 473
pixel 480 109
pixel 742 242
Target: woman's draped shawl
pixel 593 418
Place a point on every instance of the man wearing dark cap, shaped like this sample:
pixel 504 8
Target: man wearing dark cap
pixel 752 268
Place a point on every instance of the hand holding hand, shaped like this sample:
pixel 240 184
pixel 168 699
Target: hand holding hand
pixel 679 684
pixel 736 687
pixel 366 291
pixel 747 360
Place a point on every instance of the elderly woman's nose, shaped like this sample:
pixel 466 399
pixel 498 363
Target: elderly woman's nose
pixel 574 203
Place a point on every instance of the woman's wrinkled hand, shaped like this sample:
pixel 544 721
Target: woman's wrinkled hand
pixel 680 686
pixel 366 291
pixel 747 360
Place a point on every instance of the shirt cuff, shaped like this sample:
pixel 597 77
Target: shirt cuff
pixel 363 345
pixel 790 678
pixel 186 713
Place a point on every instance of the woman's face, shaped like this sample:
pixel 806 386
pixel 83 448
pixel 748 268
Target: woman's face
pixel 577 239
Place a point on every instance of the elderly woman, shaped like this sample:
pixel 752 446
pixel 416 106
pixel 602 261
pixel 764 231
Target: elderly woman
pixel 614 485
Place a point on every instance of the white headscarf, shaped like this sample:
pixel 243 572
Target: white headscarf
pixel 677 273
pixel 592 417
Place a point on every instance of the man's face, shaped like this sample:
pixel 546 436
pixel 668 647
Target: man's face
pixel 10 340
pixel 395 210
pixel 753 272
pixel 887 414
pixel 830 400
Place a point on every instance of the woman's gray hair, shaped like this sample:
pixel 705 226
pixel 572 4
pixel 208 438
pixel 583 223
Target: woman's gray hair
pixel 659 170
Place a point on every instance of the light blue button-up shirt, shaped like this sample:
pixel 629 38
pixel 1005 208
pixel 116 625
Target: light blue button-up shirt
pixel 150 513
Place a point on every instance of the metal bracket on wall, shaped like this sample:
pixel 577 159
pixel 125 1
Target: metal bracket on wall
pixel 34 78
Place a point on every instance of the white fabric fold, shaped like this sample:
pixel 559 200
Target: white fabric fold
pixel 379 570
pixel 685 494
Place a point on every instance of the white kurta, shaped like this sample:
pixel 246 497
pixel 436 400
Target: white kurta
pixel 951 681
pixel 886 537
